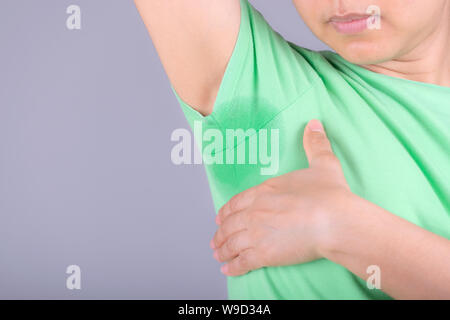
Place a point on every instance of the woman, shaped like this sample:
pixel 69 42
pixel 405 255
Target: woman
pixel 359 212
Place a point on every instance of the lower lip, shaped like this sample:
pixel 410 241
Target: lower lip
pixel 350 27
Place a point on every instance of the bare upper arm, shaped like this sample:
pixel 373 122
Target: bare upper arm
pixel 194 40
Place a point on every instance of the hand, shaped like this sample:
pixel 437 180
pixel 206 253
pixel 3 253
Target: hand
pixel 286 219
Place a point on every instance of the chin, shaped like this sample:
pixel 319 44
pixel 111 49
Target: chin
pixel 363 52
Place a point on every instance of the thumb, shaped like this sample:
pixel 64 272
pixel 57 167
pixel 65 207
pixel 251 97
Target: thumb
pixel 317 146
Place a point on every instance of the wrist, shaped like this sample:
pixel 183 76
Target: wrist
pixel 338 224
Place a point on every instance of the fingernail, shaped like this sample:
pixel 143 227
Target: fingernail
pixel 224 269
pixel 211 244
pixel 315 125
pixel 216 255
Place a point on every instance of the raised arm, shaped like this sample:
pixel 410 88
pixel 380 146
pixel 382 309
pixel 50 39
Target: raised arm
pixel 194 40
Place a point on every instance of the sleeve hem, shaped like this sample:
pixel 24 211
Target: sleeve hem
pixel 230 78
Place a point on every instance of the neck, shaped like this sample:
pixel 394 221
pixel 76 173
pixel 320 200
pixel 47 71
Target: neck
pixel 428 62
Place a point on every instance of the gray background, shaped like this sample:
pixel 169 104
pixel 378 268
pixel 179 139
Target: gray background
pixel 85 170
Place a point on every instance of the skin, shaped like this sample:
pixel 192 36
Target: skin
pixel 413 41
pixel 310 214
pixel 194 40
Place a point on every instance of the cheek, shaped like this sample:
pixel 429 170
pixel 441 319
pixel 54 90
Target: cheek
pixel 313 13
pixel 412 16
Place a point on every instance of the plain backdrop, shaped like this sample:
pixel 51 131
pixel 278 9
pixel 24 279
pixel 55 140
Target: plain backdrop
pixel 85 171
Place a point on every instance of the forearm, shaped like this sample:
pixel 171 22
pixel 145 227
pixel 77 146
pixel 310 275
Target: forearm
pixel 414 263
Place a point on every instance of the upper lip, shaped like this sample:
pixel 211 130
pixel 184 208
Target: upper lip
pixel 349 17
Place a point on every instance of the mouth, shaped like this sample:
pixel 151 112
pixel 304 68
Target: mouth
pixel 351 23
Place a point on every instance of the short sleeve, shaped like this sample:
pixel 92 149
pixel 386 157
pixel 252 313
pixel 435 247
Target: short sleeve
pixel 264 74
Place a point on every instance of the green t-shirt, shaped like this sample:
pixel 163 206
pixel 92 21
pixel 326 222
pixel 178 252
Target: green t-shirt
pixel 391 135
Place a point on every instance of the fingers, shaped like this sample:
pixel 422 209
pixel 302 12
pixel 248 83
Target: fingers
pixel 237 246
pixel 237 203
pixel 317 146
pixel 232 247
pixel 246 261
pixel 232 241
pixel 234 223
